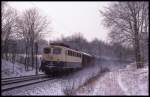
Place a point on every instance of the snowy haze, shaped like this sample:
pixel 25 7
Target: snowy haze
pixel 68 18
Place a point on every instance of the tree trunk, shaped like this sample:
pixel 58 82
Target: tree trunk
pixel 137 46
pixel 36 48
pixel 6 50
pixel 32 50
pixel 26 58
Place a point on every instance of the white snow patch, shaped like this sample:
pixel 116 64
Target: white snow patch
pixel 134 82
pixel 19 70
pixel 122 86
pixel 120 82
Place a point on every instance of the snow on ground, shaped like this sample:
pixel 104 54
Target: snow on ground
pixel 109 84
pixel 77 79
pixel 52 87
pixel 121 82
pixel 137 83
pixel 73 81
pixel 19 70
pixel 59 86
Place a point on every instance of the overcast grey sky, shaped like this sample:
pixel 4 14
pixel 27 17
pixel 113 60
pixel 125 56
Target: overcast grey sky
pixel 70 17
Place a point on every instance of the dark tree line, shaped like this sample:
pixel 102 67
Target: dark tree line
pixel 98 48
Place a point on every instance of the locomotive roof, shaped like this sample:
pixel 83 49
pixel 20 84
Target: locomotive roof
pixel 64 45
pixel 60 44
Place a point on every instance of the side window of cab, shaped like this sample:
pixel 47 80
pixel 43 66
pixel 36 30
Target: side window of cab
pixel 47 50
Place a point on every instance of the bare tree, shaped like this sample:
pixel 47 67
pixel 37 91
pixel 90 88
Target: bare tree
pixel 127 20
pixel 32 25
pixel 9 17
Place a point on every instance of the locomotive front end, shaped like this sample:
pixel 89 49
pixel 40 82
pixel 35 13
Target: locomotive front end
pixel 52 59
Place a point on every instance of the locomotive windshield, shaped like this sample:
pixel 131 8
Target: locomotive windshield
pixel 47 50
pixel 56 50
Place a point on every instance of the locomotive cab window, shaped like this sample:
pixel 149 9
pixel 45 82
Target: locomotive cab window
pixel 56 50
pixel 47 50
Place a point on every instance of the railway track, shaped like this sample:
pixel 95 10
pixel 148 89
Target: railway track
pixel 13 83
pixel 6 81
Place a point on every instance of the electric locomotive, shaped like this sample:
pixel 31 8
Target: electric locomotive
pixel 61 57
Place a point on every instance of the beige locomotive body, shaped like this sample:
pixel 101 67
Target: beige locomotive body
pixel 63 56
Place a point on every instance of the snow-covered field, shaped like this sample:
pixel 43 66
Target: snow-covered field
pixel 58 86
pixel 7 70
pixel 128 81
pixel 116 82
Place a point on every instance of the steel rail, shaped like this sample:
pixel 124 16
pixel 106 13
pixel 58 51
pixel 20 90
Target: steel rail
pixel 10 78
pixel 22 84
pixel 21 79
